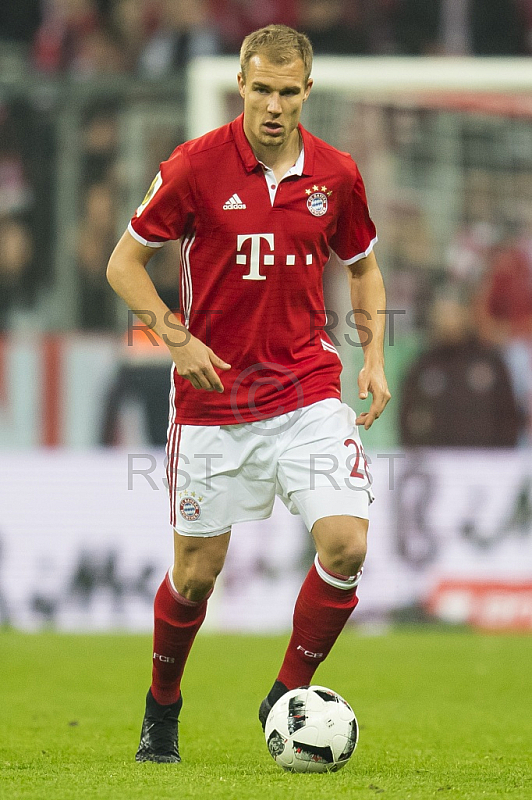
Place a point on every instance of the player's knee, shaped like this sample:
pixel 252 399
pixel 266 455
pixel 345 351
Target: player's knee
pixel 194 587
pixel 345 552
pixel 197 564
pixel 346 559
pixel 197 589
pixel 195 582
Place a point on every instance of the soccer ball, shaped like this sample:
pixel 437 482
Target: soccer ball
pixel 311 729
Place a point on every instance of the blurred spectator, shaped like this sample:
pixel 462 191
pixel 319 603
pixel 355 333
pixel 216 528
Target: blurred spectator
pixel 16 193
pixel 96 239
pixel 505 301
pixel 136 410
pixel 185 31
pixel 100 141
pixel 24 221
pixel 16 256
pixel 504 306
pixel 459 27
pixel 234 19
pixel 133 21
pixel 472 245
pixel 416 25
pixel 64 26
pixel 497 28
pixel 379 16
pixel 469 253
pixel 74 38
pixel 413 253
pixel 335 27
pixel 458 392
pixel 19 20
pixel 99 53
pixel 525 7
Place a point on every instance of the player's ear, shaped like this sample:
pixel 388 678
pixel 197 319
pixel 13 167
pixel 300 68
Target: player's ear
pixel 241 84
pixel 307 90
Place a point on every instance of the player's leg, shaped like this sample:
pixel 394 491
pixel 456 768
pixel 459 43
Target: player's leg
pixel 326 600
pixel 179 610
pixel 327 597
pixel 208 493
pixel 338 480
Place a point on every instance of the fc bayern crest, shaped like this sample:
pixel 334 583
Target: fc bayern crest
pixel 317 204
pixel 189 509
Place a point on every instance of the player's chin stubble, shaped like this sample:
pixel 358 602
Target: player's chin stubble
pixel 270 141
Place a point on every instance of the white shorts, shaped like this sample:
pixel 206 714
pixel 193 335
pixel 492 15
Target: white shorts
pixel 312 458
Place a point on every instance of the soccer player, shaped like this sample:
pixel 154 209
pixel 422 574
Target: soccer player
pixel 255 408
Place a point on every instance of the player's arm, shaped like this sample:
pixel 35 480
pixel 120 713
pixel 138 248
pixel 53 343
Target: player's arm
pixel 368 297
pixel 127 274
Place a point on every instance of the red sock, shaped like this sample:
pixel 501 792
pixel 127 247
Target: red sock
pixel 321 611
pixel 177 621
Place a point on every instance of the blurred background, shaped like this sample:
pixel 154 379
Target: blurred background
pixel 93 95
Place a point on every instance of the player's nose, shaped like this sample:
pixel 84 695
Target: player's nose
pixel 274 104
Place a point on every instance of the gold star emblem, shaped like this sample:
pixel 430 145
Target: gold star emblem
pixel 193 494
pixel 200 499
pixel 308 191
pixel 314 188
pixel 323 188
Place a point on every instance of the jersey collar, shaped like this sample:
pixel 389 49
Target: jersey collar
pixel 249 158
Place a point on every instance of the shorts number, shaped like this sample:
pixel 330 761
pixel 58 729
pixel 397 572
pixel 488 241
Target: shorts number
pixel 355 472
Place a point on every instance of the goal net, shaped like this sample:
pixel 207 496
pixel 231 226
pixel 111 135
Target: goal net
pixel 445 149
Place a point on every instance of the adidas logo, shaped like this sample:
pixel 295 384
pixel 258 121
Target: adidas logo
pixel 233 203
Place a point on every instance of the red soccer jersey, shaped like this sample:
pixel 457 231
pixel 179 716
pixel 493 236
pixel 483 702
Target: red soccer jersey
pixel 251 271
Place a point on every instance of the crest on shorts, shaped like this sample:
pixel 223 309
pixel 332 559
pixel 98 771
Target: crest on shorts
pixel 317 201
pixel 189 506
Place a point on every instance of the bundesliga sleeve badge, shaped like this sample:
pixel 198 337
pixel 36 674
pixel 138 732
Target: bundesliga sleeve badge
pixel 156 184
pixel 317 202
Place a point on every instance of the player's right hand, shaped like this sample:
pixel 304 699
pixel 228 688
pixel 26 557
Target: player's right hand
pixel 196 362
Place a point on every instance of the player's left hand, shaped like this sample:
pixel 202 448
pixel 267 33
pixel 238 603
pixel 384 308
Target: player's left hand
pixel 372 380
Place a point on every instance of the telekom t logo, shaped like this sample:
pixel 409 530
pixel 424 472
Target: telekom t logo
pixel 268 259
pixel 254 261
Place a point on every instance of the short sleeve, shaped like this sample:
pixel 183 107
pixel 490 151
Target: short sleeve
pixel 355 234
pixel 167 209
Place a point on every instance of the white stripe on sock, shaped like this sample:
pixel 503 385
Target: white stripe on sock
pixel 338 583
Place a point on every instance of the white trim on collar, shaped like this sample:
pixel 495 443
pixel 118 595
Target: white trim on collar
pixel 271 182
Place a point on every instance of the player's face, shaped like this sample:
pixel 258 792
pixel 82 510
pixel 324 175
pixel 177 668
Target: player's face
pixel 273 98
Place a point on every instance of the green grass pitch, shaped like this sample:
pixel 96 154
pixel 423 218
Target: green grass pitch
pixel 443 714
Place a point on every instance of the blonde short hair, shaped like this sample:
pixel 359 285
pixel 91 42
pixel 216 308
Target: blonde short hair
pixel 280 44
